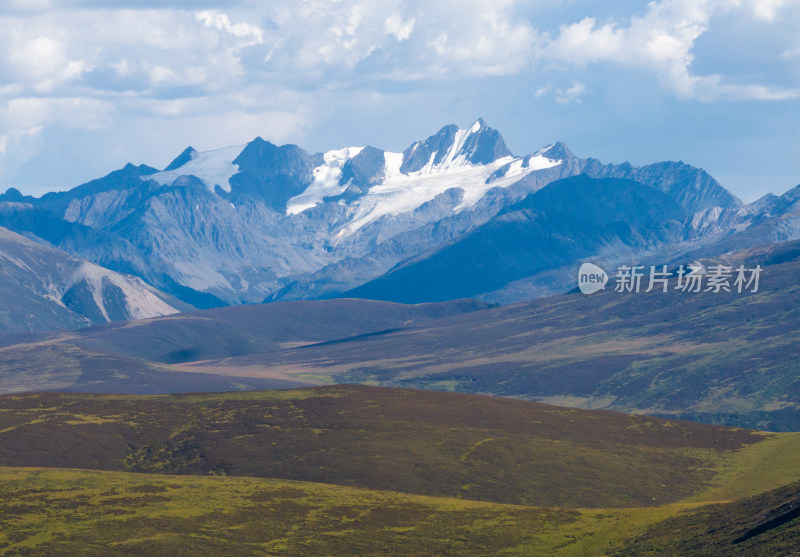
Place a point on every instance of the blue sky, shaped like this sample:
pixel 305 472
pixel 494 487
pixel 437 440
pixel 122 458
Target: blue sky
pixel 87 86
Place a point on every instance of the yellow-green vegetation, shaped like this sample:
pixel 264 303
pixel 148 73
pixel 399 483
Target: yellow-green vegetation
pixel 54 512
pixel 75 512
pixel 755 469
pixel 424 442
pixel 384 472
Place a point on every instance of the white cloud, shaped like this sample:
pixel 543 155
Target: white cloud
pixel 571 94
pixel 663 41
pixel 414 38
pixel 23 114
pixel 252 34
pixel 394 25
pixel 488 40
pixel 42 62
pixel 770 10
pixel 561 96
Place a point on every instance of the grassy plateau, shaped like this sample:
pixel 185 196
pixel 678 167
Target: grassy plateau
pixel 356 470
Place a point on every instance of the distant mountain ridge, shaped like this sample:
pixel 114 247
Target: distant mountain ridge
pixel 267 222
pixel 44 288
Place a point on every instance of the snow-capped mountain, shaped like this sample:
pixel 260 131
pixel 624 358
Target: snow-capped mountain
pixel 245 223
pixel 45 288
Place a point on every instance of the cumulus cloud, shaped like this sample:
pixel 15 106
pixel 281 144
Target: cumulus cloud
pixel 414 39
pixel 770 10
pixel 401 30
pixel 215 19
pixel 663 41
pixel 96 64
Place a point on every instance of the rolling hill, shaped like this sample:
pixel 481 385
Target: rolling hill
pixel 383 471
pixel 424 442
pixel 724 358
pixel 132 357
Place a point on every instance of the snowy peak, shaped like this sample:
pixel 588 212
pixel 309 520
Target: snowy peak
pixel 290 180
pixel 273 174
pixel 213 168
pixel 556 151
pixel 328 179
pixel 452 146
pixel 366 169
pixel 374 184
pixel 484 145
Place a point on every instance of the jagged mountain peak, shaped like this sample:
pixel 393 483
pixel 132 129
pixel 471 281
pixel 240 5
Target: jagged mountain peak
pixel 185 156
pixel 556 151
pixel 478 144
pixel 137 169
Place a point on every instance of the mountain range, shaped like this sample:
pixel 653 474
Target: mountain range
pixel 262 222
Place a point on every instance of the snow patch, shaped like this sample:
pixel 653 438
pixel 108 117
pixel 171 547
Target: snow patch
pixel 326 181
pixel 540 162
pixel 401 193
pixel 213 168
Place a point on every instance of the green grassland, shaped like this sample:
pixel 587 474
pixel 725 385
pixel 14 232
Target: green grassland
pixel 357 470
pixel 47 512
pixel 424 442
pixel 65 512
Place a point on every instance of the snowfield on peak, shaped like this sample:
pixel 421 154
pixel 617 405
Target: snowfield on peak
pixel 326 181
pixel 213 168
pixel 400 193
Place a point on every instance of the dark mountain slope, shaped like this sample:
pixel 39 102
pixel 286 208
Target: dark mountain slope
pixel 241 330
pixel 765 524
pixel 567 220
pixel 723 358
